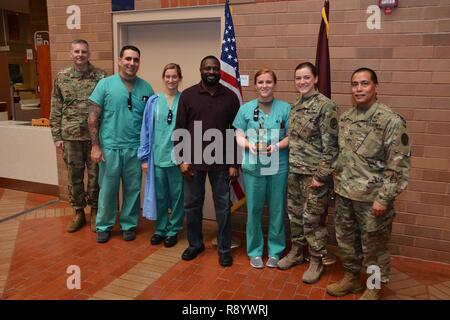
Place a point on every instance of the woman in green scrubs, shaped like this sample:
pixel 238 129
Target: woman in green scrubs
pixel 261 128
pixel 162 111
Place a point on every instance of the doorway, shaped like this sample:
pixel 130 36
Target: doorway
pixel 185 43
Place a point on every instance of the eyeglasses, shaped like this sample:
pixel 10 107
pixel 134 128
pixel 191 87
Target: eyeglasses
pixel 130 101
pixel 169 117
pixel 256 114
pixel 257 118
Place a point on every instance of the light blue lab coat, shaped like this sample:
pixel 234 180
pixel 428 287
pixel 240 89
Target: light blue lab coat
pixel 145 154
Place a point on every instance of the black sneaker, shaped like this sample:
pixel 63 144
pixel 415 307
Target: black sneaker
pixel 103 236
pixel 129 235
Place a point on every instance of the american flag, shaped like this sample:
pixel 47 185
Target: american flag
pixel 229 77
pixel 229 63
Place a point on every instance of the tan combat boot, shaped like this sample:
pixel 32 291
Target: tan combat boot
pixel 371 294
pixel 93 219
pixel 350 283
pixel 78 221
pixel 294 257
pixel 315 270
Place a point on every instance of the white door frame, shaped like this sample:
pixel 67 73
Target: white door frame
pixel 123 19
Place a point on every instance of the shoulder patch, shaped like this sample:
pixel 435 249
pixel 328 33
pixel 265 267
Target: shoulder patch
pixel 405 139
pixel 333 123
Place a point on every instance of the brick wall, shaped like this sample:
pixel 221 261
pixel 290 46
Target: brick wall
pixel 96 28
pixel 411 53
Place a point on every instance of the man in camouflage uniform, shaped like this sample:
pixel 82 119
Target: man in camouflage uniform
pixel 312 150
pixel 372 169
pixel 68 121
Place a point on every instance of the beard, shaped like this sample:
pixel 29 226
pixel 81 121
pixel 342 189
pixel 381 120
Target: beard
pixel 211 80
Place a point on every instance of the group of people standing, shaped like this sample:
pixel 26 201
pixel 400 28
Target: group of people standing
pixel 294 157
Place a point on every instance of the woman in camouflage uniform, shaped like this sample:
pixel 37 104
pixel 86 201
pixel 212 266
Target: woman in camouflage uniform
pixel 312 149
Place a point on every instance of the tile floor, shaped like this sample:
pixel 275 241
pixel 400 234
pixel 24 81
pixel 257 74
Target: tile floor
pixel 36 252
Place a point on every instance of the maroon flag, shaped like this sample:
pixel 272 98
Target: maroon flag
pixel 323 54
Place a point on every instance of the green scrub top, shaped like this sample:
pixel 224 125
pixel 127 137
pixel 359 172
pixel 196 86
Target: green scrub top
pixel 275 126
pixel 120 124
pixel 162 143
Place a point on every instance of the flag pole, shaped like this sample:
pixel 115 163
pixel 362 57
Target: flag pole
pixel 230 78
pixel 323 53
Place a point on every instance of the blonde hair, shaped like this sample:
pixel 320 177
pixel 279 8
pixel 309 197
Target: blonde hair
pixel 171 66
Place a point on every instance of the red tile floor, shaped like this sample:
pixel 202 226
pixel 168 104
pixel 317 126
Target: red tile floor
pixel 35 252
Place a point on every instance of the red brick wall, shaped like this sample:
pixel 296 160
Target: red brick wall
pixel 411 53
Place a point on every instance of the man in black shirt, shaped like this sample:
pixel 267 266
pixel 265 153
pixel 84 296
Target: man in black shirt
pixel 209 105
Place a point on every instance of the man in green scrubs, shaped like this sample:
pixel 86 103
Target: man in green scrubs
pixel 115 117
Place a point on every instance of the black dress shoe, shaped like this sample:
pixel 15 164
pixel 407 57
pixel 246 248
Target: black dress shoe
pixel 170 241
pixel 191 253
pixel 225 259
pixel 157 239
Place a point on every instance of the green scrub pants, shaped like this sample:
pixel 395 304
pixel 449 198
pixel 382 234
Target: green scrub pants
pixel 169 185
pixel 119 163
pixel 258 189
